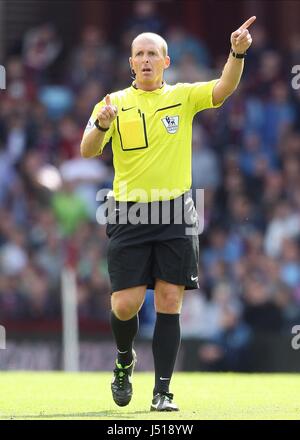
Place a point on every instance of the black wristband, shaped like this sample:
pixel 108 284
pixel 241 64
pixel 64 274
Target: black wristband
pixel 96 123
pixel 237 55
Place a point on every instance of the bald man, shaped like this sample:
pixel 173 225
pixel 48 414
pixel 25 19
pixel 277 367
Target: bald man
pixel 150 124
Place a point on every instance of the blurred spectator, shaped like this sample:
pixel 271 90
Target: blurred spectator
pixel 284 224
pixel 69 138
pixel 254 152
pixel 13 303
pixel 269 71
pixel 7 174
pixel 147 315
pixel 219 325
pixel 279 114
pixel 291 173
pixel 261 313
pixel 92 59
pixel 144 18
pixel 293 49
pixel 290 263
pixel 41 48
pixel 49 258
pixel 42 303
pixel 182 44
pixel 57 99
pixel 86 99
pixel 69 209
pixel 189 70
pixel 17 140
pixel 20 85
pixel 13 258
pixel 206 172
pixel 242 217
pixel 260 44
pixel 273 190
pixel 87 175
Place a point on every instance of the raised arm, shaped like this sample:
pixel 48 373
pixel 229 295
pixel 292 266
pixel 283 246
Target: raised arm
pixel 92 139
pixel 232 72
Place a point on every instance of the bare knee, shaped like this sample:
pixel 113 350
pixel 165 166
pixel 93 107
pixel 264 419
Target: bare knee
pixel 168 303
pixel 126 304
pixel 168 298
pixel 123 310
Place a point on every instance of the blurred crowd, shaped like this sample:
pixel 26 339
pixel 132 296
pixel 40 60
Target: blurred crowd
pixel 246 155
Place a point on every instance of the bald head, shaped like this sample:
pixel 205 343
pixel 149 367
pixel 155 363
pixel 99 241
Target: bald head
pixel 154 38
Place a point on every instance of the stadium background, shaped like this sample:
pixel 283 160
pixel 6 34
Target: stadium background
pixel 60 59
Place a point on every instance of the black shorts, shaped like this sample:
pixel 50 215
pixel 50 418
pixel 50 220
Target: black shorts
pixel 138 254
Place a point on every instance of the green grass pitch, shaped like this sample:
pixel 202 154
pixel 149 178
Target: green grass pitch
pixel 199 395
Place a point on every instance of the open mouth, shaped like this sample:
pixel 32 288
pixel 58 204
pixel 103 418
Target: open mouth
pixel 146 70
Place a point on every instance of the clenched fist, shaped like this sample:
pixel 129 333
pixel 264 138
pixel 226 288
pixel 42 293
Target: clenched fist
pixel 107 113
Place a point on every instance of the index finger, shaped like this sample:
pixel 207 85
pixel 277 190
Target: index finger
pixel 247 23
pixel 107 100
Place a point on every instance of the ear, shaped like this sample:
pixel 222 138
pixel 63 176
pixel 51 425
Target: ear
pixel 130 62
pixel 167 61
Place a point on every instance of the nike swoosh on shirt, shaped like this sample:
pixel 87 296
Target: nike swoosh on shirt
pixel 129 108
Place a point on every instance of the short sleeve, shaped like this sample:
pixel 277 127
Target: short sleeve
pixel 90 126
pixel 200 95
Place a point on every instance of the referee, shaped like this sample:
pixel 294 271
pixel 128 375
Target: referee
pixel 150 124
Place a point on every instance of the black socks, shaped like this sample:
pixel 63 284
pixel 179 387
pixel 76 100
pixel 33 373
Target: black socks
pixel 165 345
pixel 124 333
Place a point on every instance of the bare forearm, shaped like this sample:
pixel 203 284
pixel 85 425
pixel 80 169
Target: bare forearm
pixel 232 74
pixel 91 143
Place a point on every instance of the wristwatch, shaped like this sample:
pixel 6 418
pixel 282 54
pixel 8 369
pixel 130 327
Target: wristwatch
pixel 96 123
pixel 237 55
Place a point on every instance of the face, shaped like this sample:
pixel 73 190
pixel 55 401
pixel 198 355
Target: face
pixel 148 61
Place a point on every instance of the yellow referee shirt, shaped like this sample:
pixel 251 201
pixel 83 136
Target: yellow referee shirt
pixel 152 137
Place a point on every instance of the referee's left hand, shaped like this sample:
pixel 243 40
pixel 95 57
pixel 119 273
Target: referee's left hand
pixel 241 39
